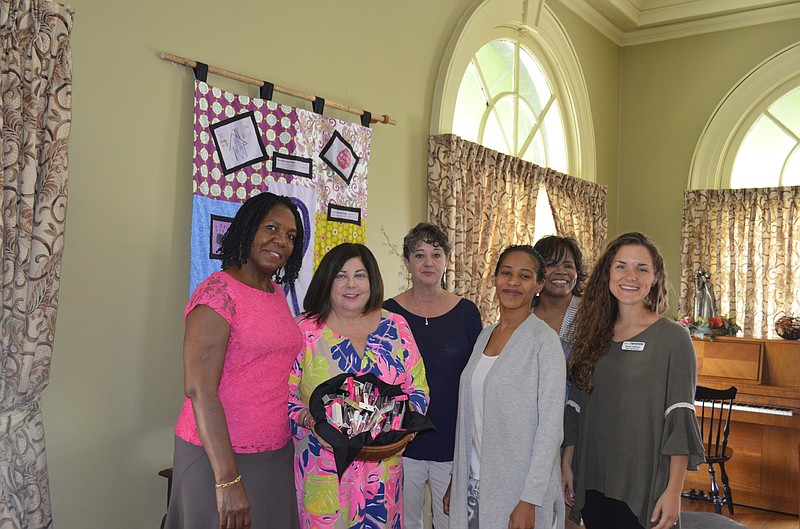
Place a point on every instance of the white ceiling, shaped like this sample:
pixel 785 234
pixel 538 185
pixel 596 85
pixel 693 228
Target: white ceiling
pixel 630 22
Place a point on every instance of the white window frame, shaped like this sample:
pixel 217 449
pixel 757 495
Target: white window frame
pixel 730 122
pixel 536 28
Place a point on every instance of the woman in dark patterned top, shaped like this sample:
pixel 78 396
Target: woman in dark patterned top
pixel 630 430
pixel 564 275
pixel 445 327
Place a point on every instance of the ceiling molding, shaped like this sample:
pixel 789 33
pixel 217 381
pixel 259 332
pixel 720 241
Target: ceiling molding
pixel 634 22
pixel 595 19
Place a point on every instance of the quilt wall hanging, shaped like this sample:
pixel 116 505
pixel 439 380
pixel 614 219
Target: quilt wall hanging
pixel 244 146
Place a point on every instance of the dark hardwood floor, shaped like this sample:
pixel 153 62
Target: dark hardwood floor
pixel 751 518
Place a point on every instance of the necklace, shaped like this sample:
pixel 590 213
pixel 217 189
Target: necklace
pixel 426 321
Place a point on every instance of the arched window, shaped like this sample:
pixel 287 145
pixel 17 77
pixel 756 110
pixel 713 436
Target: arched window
pixel 515 86
pixel 506 103
pixel 769 154
pixel 752 137
pixel 741 210
pixel 510 82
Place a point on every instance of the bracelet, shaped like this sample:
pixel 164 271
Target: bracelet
pixel 306 420
pixel 229 483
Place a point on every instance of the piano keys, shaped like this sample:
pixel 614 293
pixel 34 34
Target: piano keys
pixel 765 423
pixel 767 410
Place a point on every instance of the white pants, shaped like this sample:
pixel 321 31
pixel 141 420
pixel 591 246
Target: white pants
pixel 415 474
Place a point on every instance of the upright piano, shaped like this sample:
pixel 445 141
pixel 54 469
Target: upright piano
pixel 765 424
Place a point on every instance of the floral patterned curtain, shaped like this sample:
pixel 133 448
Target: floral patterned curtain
pixel 579 210
pixel 35 99
pixel 749 242
pixel 485 201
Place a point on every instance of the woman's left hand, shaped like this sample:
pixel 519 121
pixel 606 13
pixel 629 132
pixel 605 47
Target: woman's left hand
pixel 668 506
pixel 523 516
pixel 667 510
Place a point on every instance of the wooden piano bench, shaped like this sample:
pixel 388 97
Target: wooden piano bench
pixel 707 520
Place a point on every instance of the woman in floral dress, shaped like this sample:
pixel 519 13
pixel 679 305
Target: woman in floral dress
pixel 346 331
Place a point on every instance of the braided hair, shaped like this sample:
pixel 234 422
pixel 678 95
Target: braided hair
pixel 237 241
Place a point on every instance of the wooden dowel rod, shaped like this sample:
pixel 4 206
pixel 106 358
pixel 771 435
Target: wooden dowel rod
pixel 183 61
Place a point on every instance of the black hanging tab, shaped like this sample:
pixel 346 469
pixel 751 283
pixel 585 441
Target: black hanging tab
pixel 201 71
pixel 318 105
pixel 266 90
pixel 365 118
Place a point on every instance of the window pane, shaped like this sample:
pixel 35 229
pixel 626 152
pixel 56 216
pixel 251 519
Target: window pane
pixel 493 136
pixel 496 64
pixel 536 151
pixel 787 110
pixel 545 225
pixel 505 113
pixel 791 175
pixel 526 123
pixel 761 156
pixel 511 114
pixel 553 129
pixel 533 85
pixel 470 106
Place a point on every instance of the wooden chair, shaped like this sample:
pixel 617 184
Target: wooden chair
pixel 715 416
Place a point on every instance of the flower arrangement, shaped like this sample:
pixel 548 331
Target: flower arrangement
pixel 702 327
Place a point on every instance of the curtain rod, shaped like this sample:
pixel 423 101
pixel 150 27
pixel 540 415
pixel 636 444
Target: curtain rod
pixel 385 119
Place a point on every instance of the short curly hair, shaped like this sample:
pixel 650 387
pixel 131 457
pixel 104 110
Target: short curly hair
pixel 425 232
pixel 237 241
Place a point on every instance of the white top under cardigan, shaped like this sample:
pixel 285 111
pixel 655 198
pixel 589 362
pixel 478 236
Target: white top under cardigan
pixel 476 389
pixel 522 430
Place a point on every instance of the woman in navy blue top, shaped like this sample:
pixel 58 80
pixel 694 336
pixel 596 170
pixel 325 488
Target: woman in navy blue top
pixel 445 327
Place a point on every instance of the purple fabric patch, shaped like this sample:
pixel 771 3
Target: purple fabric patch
pixel 277 125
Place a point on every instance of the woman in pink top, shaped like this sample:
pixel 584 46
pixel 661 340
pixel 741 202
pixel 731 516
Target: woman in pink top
pixel 233 458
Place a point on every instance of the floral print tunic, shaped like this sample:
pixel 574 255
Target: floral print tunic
pixel 369 494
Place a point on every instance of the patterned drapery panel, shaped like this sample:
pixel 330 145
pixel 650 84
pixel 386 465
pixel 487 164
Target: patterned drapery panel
pixel 485 201
pixel 35 98
pixel 579 210
pixel 749 242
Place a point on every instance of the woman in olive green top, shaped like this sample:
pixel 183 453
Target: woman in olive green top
pixel 630 428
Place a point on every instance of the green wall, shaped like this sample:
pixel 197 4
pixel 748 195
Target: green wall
pixel 599 60
pixel 669 90
pixel 116 372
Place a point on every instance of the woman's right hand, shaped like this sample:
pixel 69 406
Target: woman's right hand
pixel 567 487
pixel 567 476
pixel 320 440
pixel 233 507
pixel 204 351
pixel 446 498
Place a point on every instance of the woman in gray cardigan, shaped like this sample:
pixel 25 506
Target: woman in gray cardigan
pixel 506 470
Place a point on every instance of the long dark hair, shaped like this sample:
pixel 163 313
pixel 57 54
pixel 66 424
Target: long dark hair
pixel 594 323
pixel 237 241
pixel 318 296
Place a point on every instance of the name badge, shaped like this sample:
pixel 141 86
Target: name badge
pixel 633 346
